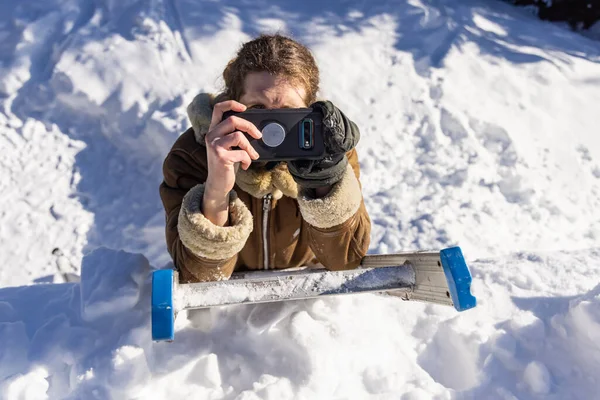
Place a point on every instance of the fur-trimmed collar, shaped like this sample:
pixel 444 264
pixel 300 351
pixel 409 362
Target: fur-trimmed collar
pixel 258 182
pixel 199 112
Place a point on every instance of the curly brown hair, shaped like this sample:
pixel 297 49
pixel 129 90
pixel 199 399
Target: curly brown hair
pixel 278 55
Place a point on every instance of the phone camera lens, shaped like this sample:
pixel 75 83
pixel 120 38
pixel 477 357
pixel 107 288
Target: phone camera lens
pixel 306 134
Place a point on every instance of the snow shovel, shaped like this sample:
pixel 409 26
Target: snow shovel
pixel 440 277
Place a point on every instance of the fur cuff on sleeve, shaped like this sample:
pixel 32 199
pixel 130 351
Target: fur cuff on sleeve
pixel 207 240
pixel 341 203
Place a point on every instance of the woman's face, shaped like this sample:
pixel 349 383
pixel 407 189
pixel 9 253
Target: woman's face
pixel 263 90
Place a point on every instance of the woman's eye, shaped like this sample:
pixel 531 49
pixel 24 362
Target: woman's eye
pixel 257 106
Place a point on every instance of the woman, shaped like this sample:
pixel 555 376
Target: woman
pixel 221 217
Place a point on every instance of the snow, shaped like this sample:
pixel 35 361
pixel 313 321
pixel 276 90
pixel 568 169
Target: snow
pixel 520 341
pixel 478 128
pixel 103 297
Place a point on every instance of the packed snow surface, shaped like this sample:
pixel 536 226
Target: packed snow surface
pixel 479 128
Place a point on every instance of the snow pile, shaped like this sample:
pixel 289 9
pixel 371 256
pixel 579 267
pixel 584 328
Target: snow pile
pixel 92 340
pixel 77 338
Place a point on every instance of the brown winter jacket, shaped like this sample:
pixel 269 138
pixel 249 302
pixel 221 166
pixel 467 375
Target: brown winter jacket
pixel 299 229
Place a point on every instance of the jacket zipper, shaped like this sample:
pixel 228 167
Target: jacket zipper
pixel 266 209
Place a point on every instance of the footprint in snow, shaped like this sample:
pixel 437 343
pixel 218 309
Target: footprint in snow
pixel 496 140
pixel 452 127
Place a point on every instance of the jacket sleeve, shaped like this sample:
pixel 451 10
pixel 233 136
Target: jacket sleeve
pixel 338 224
pixel 201 251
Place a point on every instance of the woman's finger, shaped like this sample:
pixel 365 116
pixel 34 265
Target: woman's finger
pixel 238 156
pixel 238 139
pixel 220 108
pixel 233 124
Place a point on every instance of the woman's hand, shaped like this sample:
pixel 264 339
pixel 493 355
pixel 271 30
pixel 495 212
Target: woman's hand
pixel 226 146
pixel 340 136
